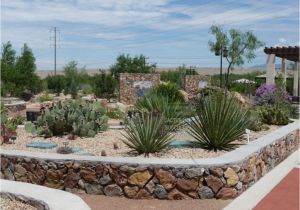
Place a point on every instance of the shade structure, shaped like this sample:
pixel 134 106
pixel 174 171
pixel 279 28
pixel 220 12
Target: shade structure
pixel 290 53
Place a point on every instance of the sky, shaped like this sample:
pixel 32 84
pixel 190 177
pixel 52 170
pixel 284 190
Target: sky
pixel 168 32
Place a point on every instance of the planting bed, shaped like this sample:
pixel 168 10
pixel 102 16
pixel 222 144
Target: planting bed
pixel 105 141
pixel 222 177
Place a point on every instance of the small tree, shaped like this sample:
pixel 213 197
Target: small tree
pixel 104 85
pixel 126 64
pixel 56 83
pixel 241 46
pixel 72 78
pixel 18 74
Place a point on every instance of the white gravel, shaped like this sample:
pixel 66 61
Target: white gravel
pixel 7 204
pixel 106 140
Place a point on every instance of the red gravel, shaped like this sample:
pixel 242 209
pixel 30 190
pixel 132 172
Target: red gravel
pixel 100 202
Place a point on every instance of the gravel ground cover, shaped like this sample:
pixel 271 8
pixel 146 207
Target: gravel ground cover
pixel 106 140
pixel 7 204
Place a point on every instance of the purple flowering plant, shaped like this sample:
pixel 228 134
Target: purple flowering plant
pixel 268 94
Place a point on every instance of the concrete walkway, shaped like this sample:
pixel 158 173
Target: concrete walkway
pixel 100 202
pixel 280 184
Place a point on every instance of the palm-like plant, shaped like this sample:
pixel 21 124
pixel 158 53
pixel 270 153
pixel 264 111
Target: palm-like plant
pixel 146 134
pixel 220 121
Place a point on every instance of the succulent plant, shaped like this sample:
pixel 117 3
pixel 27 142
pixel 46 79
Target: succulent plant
pixel 75 117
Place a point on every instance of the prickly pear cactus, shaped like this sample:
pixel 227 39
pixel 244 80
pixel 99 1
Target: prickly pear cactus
pixel 75 117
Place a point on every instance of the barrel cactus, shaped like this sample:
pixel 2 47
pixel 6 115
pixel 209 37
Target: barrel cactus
pixel 75 117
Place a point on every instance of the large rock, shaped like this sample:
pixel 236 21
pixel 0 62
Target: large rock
pixel 205 193
pixel 187 184
pixel 119 178
pixel 165 178
pixel 226 193
pixel 94 189
pixel 140 178
pixel 71 179
pixel 231 176
pixel 131 191
pixel 177 195
pixel 88 175
pixel 216 172
pixel 105 180
pixel 150 186
pixel 160 192
pixel 194 172
pixel 127 169
pixel 214 183
pixel 54 179
pixel 185 95
pixel 19 170
pixel 143 194
pixel 113 190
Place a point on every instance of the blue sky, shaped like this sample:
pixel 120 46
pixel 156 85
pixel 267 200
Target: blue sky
pixel 168 32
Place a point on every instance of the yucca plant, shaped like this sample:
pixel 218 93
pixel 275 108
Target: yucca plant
pixel 159 106
pixel 146 134
pixel 220 120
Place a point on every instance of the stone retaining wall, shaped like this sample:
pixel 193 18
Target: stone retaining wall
pixel 129 85
pixel 224 177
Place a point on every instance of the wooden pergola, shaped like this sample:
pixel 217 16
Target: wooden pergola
pixel 285 53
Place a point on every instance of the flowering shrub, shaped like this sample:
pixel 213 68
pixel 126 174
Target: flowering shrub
pixel 267 94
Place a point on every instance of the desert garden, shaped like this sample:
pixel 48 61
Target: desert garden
pixel 143 134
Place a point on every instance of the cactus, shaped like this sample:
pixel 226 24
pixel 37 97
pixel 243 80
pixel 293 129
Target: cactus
pixel 74 117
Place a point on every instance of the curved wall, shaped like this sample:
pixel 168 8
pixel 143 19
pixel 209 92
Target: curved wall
pixel 222 177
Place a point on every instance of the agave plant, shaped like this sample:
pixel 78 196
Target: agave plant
pixel 146 134
pixel 219 121
pixel 160 106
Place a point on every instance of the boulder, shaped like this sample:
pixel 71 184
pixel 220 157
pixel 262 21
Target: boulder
pixel 205 192
pixel 231 176
pixel 113 190
pixel 214 183
pixel 226 193
pixel 140 178
pixel 177 195
pixel 187 184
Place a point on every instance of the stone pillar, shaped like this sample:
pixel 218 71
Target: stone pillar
pixel 296 79
pixel 283 69
pixel 270 79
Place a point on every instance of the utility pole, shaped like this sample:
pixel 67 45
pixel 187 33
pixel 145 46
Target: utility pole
pixel 54 50
pixel 55 39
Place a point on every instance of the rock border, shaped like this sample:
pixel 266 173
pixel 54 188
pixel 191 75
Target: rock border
pixel 223 177
pixel 42 198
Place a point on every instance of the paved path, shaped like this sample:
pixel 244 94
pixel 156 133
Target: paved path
pixel 284 196
pixel 100 202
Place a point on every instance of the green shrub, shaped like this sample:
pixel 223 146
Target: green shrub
pixel 45 97
pixel 174 76
pixel 71 117
pixel 56 83
pixel 273 114
pixel 218 123
pixel 146 134
pixel 115 114
pixel 104 85
pixel 256 123
pixel 158 105
pixel 170 91
pixel 86 89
